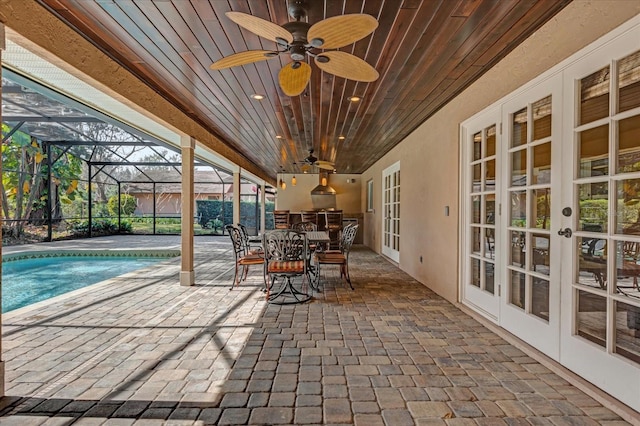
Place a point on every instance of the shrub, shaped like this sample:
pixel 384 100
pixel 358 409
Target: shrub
pixel 128 204
pixel 168 220
pixel 126 227
pixel 207 210
pixel 215 224
pixel 101 227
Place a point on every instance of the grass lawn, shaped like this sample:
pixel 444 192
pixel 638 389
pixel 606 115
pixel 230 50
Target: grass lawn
pixel 164 226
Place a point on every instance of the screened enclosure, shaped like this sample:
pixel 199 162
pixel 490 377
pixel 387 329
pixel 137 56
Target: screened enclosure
pixel 70 171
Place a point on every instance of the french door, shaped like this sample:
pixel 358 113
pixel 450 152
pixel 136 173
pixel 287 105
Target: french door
pixel 391 212
pixel 551 217
pixel 481 139
pixel 531 190
pixel 601 293
pixel 511 270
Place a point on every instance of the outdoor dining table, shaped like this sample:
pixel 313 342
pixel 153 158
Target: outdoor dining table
pixel 316 237
pixel 320 239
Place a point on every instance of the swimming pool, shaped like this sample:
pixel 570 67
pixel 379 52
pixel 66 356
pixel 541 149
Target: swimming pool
pixel 30 280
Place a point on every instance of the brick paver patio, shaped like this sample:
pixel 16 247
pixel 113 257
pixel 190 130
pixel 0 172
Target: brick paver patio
pixel 143 350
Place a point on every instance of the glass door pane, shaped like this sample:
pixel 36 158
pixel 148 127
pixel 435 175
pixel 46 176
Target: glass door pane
pixel 482 227
pixel 480 285
pixel 530 306
pixel 606 187
pixel 391 209
pixel 530 208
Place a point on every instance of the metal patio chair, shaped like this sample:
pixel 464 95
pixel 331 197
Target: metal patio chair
pixel 336 258
pixel 242 257
pixel 286 256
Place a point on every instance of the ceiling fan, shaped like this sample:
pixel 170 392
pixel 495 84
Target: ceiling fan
pixel 301 39
pixel 312 160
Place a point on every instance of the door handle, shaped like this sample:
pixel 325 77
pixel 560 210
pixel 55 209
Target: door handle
pixel 566 232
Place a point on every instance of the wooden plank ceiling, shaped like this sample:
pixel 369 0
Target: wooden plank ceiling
pixel 426 52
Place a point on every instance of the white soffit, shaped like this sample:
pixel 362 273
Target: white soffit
pixel 37 68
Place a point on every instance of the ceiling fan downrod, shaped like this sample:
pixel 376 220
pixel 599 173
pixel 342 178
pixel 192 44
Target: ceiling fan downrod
pixel 298 9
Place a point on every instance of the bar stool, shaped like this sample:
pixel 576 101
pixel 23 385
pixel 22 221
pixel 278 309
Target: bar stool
pixel 333 225
pixel 309 216
pixel 281 219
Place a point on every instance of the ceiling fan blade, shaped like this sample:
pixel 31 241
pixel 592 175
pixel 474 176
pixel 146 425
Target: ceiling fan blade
pixel 294 80
pixel 325 165
pixel 339 31
pixel 261 27
pixel 346 65
pixel 243 58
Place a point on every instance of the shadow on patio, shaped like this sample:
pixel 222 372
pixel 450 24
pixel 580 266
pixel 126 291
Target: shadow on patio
pixel 390 352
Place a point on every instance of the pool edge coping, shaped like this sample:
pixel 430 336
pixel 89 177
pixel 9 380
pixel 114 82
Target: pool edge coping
pixel 117 252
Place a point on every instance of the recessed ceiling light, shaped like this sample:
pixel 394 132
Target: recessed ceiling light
pixel 257 96
pixel 278 137
pixel 341 137
pixel 354 98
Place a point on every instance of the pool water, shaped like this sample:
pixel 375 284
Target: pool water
pixel 28 281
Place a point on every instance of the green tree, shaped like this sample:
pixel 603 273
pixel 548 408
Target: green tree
pixel 22 160
pixel 25 186
pixel 128 205
pixel 66 171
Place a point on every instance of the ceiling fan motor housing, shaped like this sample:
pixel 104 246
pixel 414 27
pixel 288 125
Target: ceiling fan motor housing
pixel 298 30
pixel 298 48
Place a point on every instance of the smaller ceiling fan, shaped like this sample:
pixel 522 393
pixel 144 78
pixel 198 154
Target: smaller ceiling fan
pixel 301 39
pixel 312 160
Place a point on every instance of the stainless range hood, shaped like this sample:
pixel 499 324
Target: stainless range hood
pixel 323 189
pixel 323 197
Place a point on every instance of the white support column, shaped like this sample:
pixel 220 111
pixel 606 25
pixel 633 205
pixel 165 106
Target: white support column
pixel 2 47
pixel 263 206
pixel 236 197
pixel 187 276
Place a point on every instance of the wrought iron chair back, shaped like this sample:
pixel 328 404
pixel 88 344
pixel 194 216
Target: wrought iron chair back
pixel 287 256
pixel 348 236
pixel 244 234
pixel 340 248
pixel 304 226
pixel 239 247
pixel 242 256
pixel 285 244
pixel 339 258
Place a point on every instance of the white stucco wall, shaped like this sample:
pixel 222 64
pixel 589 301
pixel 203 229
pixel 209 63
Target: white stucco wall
pixel 429 157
